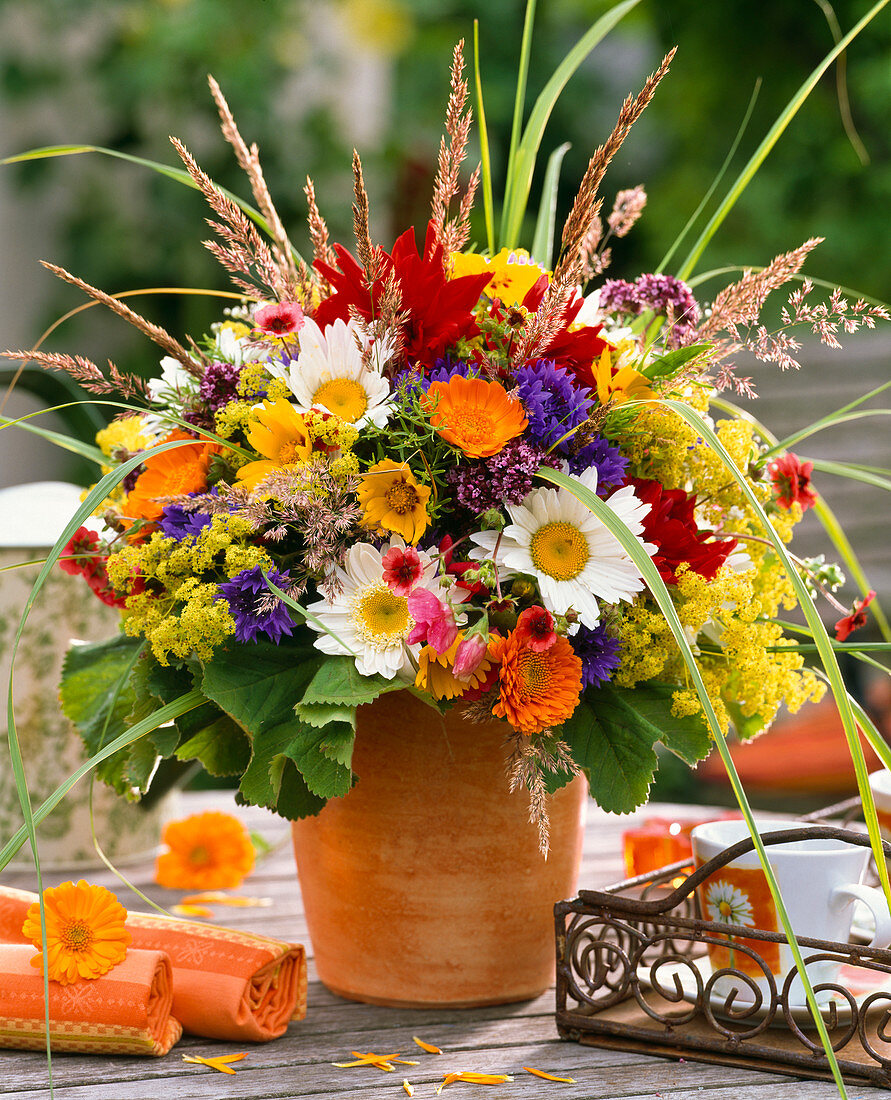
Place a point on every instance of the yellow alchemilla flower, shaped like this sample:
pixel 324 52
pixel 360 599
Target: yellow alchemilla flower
pixel 279 433
pixel 394 500
pixel 129 434
pixel 513 272
pixel 626 384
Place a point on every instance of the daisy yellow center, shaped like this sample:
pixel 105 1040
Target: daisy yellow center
pixel 471 425
pixel 725 908
pixel 344 397
pixel 402 498
pixel 380 617
pixel 559 550
pixel 77 935
pixel 287 454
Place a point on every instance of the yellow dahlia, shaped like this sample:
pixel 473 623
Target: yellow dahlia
pixel 393 500
pixel 514 272
pixel 85 933
pixel 619 386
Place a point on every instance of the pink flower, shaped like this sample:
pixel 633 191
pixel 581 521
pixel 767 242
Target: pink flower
pixel 535 628
pixel 469 656
pixel 402 569
pixel 856 619
pixel 434 621
pixel 792 480
pixel 279 318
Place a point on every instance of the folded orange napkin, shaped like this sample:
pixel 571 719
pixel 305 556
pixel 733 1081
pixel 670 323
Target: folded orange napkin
pixel 226 984
pixel 126 1011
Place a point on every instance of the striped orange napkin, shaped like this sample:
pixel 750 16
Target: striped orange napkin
pixel 126 1011
pixel 226 984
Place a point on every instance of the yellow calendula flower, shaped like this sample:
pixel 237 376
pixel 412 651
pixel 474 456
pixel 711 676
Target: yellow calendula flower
pixel 279 433
pixel 85 933
pixel 624 384
pixel 394 500
pixel 513 271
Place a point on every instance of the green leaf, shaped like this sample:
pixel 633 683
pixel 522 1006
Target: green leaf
pixel 325 775
pixel 686 737
pixel 320 714
pixel 140 761
pixel 543 241
pixel 671 362
pixel 94 699
pixel 339 681
pixel 485 158
pixel 221 745
pixel 614 745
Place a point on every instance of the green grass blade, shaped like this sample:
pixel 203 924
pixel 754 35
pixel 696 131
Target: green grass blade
pixel 694 217
pixel 304 613
pixel 769 141
pixel 632 546
pixel 177 174
pixel 543 241
pixel 485 158
pixel 519 104
pixel 853 472
pixel 522 165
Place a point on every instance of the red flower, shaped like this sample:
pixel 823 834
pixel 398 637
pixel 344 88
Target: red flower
pixel 440 310
pixel 402 569
pixel 459 568
pixel 671 524
pixel 535 628
pixel 856 619
pixel 81 552
pixel 280 318
pixel 576 350
pixel 792 480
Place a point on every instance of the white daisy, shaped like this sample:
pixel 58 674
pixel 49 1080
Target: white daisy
pixel 557 540
pixel 728 904
pixel 330 375
pixel 368 618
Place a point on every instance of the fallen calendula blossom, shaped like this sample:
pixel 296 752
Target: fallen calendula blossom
pixel 549 1076
pixel 215 897
pixel 187 909
pixel 409 1088
pixel 474 1079
pixel 221 1062
pixel 428 1047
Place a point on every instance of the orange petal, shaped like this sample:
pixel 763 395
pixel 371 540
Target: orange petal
pixel 409 1088
pixel 217 898
pixel 188 910
pixel 429 1047
pixel 549 1076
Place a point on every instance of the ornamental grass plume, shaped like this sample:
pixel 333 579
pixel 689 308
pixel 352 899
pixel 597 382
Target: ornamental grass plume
pixel 85 933
pixel 206 851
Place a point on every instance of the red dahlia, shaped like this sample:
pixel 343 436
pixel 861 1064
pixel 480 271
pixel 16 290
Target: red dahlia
pixel 671 524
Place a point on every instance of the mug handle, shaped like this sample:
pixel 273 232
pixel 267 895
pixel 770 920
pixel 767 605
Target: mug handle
pixel 874 900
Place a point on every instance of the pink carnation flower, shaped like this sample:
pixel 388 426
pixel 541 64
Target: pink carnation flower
pixel 434 621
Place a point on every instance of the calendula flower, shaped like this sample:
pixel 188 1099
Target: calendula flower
pixel 556 539
pixel 394 500
pixel 536 689
pixel 476 416
pixel 436 671
pixel 331 375
pixel 176 472
pixel 85 933
pixel 207 851
pixel 279 433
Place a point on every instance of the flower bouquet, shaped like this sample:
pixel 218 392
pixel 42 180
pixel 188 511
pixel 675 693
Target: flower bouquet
pixel 486 478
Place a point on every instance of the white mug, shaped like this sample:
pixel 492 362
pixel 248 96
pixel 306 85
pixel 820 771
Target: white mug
pixel 819 881
pixel 880 785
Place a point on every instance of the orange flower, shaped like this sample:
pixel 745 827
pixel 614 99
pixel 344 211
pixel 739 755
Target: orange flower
pixel 85 933
pixel 475 415
pixel 536 690
pixel 173 473
pixel 209 851
pixel 436 677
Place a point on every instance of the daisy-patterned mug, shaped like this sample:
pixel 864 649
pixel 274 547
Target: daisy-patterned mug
pixel 819 882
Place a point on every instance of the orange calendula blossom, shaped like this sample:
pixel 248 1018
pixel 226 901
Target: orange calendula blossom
pixel 536 690
pixel 394 500
pixel 85 933
pixel 208 851
pixel 175 472
pixel 476 416
pixel 279 433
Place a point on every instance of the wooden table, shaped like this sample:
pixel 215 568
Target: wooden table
pixel 488 1040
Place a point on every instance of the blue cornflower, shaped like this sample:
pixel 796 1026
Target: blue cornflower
pixel 254 608
pixel 178 523
pixel 599 654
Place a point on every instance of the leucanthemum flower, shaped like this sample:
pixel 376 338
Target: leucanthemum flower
pixel 576 561
pixel 329 374
pixel 368 619
pixel 728 904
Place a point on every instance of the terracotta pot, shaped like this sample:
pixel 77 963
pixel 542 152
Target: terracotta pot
pixel 424 885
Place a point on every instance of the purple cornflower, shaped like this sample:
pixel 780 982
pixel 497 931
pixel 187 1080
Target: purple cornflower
pixel 445 369
pixel 219 385
pixel 599 654
pixel 505 478
pixel 254 608
pixel 554 404
pixel 664 294
pixel 610 462
pixel 178 523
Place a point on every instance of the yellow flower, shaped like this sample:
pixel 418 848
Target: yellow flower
pixel 513 272
pixel 209 851
pixel 393 500
pixel 279 433
pixel 85 933
pixel 435 677
pixel 128 434
pixel 625 384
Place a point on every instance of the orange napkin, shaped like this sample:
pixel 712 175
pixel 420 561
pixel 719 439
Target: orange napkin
pixel 126 1011
pixel 226 984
